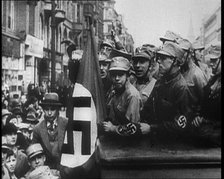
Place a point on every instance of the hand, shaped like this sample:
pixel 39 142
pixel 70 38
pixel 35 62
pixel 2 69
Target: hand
pixel 145 128
pixel 109 127
pixel 197 121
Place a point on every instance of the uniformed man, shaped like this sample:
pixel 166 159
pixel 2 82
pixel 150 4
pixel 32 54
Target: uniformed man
pixel 208 122
pixel 37 158
pixel 106 47
pixel 144 82
pixel 167 110
pixel 193 75
pixel 104 63
pixel 198 59
pixel 125 103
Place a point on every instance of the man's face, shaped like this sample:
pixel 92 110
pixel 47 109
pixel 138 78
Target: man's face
pixel 50 113
pixel 10 163
pixel 37 161
pixel 199 54
pixel 119 78
pixel 141 67
pixel 213 64
pixel 165 63
pixel 106 50
pixel 11 139
pixel 104 69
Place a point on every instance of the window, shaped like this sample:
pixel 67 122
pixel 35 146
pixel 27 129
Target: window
pixel 20 77
pixel 78 13
pixel 10 15
pixel 13 88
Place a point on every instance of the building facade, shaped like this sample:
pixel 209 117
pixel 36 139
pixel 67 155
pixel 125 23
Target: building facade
pixel 210 31
pixel 27 39
pixel 114 21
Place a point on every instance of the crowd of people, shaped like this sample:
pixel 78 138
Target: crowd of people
pixel 166 91
pixel 22 150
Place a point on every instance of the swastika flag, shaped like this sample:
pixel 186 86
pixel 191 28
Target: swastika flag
pixel 88 108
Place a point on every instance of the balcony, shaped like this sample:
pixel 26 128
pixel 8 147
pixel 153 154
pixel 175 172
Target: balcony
pixel 59 16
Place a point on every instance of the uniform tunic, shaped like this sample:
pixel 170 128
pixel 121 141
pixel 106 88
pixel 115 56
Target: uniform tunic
pixel 145 88
pixel 167 109
pixel 125 107
pixel 209 132
pixel 196 82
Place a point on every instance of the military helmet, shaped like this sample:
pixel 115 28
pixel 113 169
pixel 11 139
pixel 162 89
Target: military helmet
pixel 120 63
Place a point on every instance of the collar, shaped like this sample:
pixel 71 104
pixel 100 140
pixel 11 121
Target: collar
pixel 54 123
pixel 169 77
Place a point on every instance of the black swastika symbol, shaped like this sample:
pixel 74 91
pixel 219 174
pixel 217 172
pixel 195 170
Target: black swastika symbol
pixel 131 128
pixel 83 126
pixel 182 121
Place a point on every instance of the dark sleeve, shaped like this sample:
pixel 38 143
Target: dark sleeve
pixel 147 114
pixel 183 114
pixel 36 137
pixel 180 113
pixel 73 70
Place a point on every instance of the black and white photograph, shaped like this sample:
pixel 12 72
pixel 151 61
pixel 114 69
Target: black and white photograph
pixel 111 89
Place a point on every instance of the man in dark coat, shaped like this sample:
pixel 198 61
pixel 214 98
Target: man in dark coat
pixel 167 111
pixel 51 131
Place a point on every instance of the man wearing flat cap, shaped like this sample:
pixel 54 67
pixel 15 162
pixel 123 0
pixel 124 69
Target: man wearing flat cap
pixel 208 122
pixel 50 132
pixel 167 110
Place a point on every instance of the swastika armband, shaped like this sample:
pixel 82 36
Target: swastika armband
pixel 181 121
pixel 129 129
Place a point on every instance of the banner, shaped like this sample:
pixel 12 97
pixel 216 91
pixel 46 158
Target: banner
pixel 88 107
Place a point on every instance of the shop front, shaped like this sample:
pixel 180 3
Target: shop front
pixel 12 65
pixel 33 56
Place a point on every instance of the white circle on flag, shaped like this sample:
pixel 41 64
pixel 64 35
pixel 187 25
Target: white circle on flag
pixel 81 114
